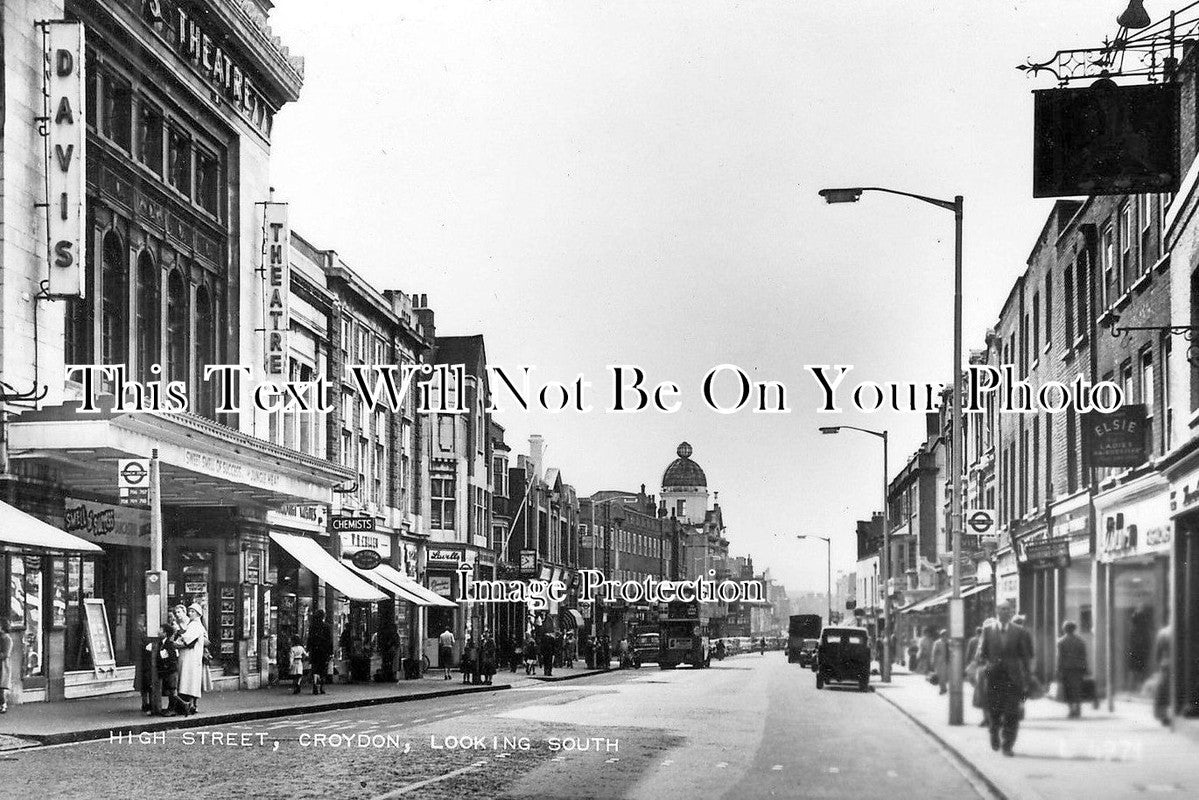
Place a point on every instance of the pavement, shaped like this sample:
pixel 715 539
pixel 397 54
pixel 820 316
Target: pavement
pixel 750 726
pixel 84 719
pixel 1105 754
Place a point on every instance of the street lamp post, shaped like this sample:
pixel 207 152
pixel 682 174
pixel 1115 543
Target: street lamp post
pixel 623 499
pixel 885 667
pixel 829 573
pixel 957 627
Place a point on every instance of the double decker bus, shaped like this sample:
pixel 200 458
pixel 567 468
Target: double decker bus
pixel 683 634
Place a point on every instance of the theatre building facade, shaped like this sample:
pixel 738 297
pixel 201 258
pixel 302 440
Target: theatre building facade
pixel 172 114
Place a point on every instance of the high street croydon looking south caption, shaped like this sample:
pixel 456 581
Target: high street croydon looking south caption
pixel 375 378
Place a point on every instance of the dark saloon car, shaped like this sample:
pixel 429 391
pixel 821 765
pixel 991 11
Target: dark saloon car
pixel 843 656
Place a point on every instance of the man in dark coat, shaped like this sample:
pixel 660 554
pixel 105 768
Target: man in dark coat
pixel 1071 667
pixel 320 650
pixel 1005 654
pixel 549 648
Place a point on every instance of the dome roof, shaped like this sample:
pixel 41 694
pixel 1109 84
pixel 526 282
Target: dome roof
pixel 683 471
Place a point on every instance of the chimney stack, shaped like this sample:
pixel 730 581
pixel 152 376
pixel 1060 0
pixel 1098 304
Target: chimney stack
pixel 536 448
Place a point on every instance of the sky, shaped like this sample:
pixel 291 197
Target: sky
pixel 597 183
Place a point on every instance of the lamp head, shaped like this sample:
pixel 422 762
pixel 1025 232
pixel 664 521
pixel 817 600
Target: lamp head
pixel 841 195
pixel 1134 17
pixel 829 429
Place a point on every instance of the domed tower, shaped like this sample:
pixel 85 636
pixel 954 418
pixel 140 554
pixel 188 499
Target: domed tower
pixel 685 488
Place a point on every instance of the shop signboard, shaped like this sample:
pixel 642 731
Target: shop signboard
pixel 1106 139
pixel 380 543
pixel 1117 439
pixel 444 555
pixel 99 637
pixel 1135 529
pixel 276 268
pixel 1051 554
pixel 345 523
pixel 442 585
pixel 366 559
pixel 107 524
pixel 528 562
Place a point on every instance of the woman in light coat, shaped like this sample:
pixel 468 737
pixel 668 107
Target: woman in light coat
pixel 940 661
pixel 191 659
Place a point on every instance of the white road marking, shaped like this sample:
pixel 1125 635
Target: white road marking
pixel 612 760
pixel 776 767
pixel 834 770
pixel 722 765
pixel 501 755
pixel 418 719
pixel 667 762
pixel 892 773
pixel 558 758
pixel 397 725
pixel 411 787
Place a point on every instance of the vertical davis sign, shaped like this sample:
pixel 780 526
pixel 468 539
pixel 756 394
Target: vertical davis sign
pixel 65 134
pixel 276 268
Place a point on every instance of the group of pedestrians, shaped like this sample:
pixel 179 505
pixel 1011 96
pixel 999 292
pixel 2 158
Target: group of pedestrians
pixel 479 660
pixel 318 653
pixel 180 658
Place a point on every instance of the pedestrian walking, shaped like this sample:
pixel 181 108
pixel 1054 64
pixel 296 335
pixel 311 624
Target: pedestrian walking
pixel 549 649
pixel 1006 651
pixel 445 652
pixel 5 667
pixel 487 657
pixel 166 652
pixel 940 661
pixel 762 646
pixel 143 672
pixel 1071 668
pixel 568 650
pixel 924 653
pixel 192 644
pixel 320 650
pixel 975 674
pixel 530 654
pixel 1163 650
pixel 296 657
pixel 470 659
pixel 913 650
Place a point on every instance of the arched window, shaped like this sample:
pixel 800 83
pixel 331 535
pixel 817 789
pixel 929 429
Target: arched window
pixel 205 350
pixel 114 301
pixel 147 315
pixel 177 366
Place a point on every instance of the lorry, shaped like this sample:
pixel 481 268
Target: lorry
pixel 802 626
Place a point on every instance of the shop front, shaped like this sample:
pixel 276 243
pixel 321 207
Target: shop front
pixel 1055 580
pixel 218 486
pixel 47 574
pixel 1133 543
pixel 1183 613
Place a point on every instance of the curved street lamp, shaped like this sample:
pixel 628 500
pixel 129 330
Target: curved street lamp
pixel 885 667
pixel 956 617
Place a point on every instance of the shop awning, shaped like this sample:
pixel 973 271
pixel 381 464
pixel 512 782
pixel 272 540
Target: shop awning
pixel 928 603
pixel 977 589
pixel 314 557
pixel 395 586
pixel 430 597
pixel 573 616
pixel 18 529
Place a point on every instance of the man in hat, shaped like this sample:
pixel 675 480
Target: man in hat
pixel 1005 652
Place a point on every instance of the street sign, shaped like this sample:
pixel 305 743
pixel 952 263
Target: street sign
pixel 981 522
pixel 528 562
pixel 133 481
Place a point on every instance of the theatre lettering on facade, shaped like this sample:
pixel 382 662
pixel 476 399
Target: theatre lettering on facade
pixel 173 111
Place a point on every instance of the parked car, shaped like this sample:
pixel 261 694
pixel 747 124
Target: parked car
pixel 843 656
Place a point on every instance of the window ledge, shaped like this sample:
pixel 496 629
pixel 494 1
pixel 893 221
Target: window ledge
pixel 1048 346
pixel 1140 283
pixel 1162 264
pixel 1193 419
pixel 1124 300
pixel 1067 355
pixel 1079 341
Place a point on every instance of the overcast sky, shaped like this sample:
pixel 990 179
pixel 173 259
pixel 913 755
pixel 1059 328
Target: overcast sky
pixel 590 183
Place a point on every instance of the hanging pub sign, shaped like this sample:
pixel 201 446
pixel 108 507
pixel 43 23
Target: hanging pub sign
pixel 1106 139
pixel 276 269
pixel 64 128
pixel 1115 440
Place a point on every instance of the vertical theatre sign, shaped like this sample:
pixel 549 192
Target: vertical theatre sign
pixel 63 127
pixel 276 268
